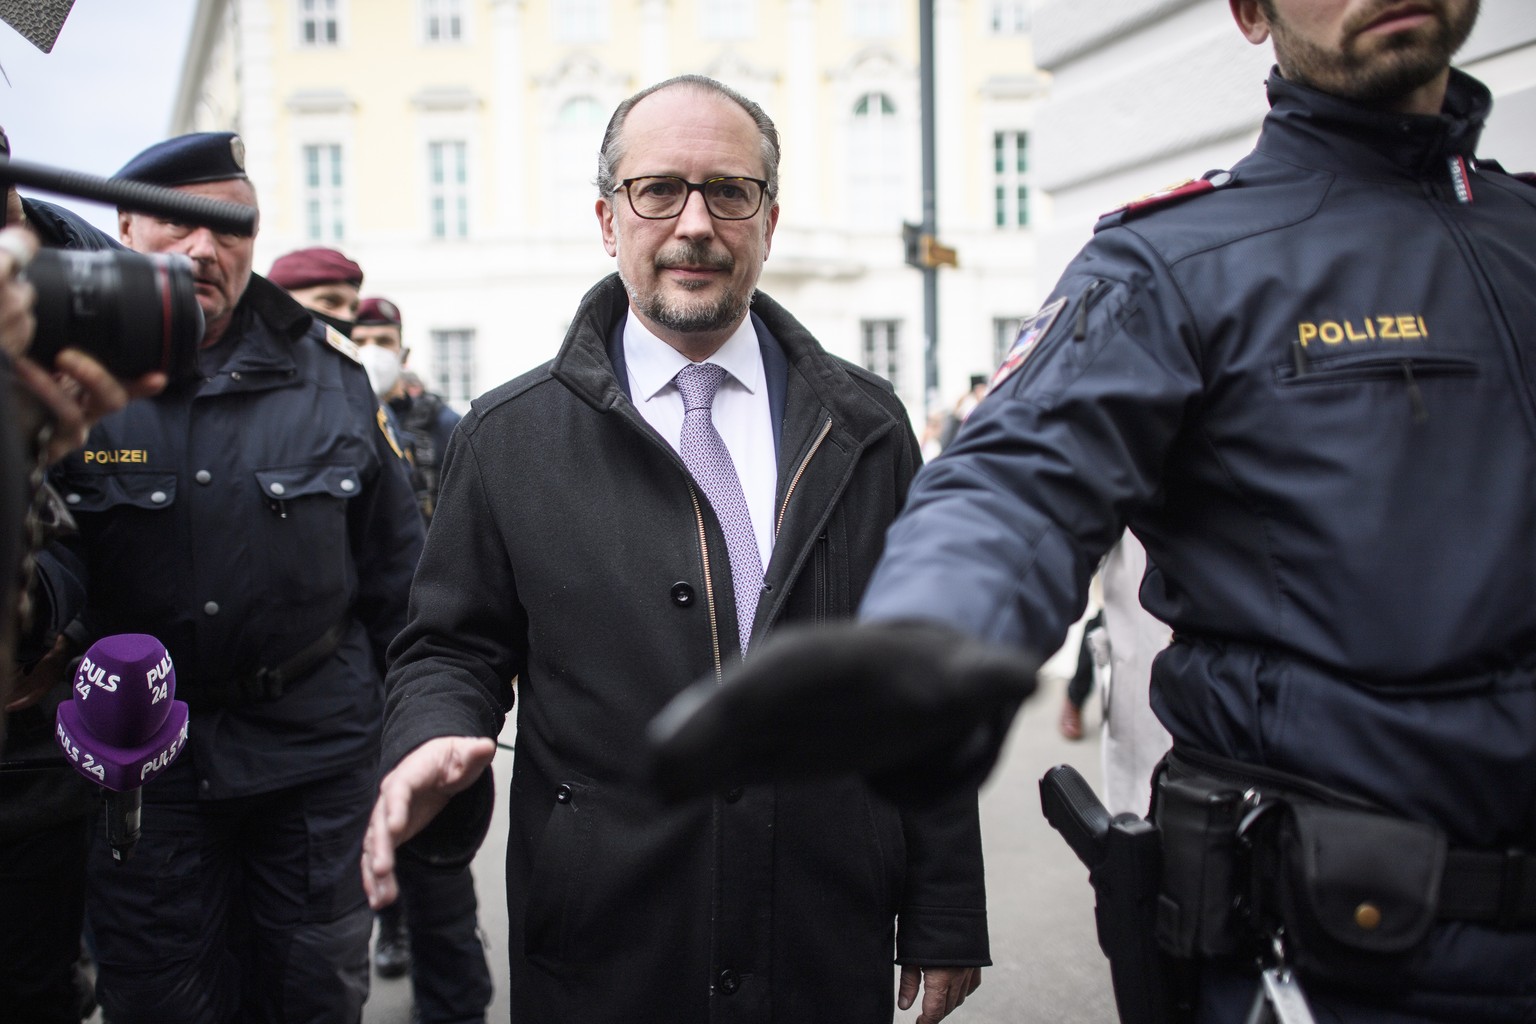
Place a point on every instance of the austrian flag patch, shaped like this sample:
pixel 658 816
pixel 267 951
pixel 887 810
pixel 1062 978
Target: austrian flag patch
pixel 1030 333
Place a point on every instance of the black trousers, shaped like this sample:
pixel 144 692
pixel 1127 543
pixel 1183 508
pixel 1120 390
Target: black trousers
pixel 42 904
pixel 449 977
pixel 249 909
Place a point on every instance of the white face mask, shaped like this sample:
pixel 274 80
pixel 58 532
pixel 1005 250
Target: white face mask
pixel 383 366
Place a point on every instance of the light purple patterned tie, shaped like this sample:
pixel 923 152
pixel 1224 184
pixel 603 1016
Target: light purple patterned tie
pixel 705 455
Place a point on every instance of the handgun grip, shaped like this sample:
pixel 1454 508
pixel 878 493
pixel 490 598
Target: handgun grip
pixel 1073 809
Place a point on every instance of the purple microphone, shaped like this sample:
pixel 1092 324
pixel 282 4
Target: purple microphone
pixel 123 726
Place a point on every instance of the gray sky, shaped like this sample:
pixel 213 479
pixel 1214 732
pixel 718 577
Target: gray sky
pixel 103 94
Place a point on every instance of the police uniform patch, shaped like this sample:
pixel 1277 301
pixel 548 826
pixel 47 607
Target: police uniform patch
pixel 388 430
pixel 1172 194
pixel 1030 333
pixel 341 343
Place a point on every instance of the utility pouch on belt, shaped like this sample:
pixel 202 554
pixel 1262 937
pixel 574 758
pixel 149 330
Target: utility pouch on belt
pixel 1356 892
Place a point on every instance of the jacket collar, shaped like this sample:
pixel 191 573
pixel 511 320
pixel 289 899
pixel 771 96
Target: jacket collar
pixel 1314 129
pixel 586 365
pixel 266 324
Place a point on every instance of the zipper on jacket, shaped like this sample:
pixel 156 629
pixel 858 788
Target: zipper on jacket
pixel 709 582
pixel 1299 358
pixel 826 428
pixel 1415 396
pixel 822 577
pixel 1080 332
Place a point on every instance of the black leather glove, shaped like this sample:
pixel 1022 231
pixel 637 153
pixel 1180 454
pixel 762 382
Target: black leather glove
pixel 917 707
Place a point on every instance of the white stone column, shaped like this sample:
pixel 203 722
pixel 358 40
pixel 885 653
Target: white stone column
pixel 507 172
pixel 801 126
pixel 655 42
pixel 257 118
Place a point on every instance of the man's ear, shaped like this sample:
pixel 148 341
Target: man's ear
pixel 1251 20
pixel 604 212
pixel 125 228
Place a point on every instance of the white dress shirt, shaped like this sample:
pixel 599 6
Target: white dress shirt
pixel 740 412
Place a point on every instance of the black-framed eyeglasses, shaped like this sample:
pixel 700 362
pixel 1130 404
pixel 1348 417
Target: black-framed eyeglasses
pixel 663 196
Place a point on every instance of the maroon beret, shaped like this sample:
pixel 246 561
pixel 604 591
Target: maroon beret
pixel 305 268
pixel 378 311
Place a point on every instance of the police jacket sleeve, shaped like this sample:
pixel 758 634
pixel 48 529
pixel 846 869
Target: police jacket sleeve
pixel 385 533
pixel 942 920
pixel 1002 532
pixel 452 667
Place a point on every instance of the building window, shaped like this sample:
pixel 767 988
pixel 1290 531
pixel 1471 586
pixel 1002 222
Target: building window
pixel 874 19
pixel 319 22
pixel 448 188
pixel 581 21
pixel 876 164
pixel 1004 330
pixel 728 19
pixel 453 365
pixel 443 21
pixel 1010 194
pixel 880 349
pixel 323 193
pixel 1008 17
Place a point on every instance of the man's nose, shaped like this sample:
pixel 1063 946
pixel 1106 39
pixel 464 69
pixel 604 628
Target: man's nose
pixel 199 244
pixel 695 221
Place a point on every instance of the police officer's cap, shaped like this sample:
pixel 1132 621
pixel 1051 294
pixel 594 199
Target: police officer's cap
pixel 378 312
pixel 305 268
pixel 189 160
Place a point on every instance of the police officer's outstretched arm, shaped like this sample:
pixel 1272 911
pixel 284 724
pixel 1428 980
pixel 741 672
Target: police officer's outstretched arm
pixel 989 561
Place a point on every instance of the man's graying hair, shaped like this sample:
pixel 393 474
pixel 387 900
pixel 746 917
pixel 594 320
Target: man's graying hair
pixel 612 152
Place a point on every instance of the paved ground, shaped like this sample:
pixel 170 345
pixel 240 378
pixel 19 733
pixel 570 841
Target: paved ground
pixel 1047 964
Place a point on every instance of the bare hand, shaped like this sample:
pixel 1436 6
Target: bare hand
pixel 410 796
pixel 944 988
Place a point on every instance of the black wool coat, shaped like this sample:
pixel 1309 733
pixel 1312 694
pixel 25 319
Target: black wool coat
pixel 572 551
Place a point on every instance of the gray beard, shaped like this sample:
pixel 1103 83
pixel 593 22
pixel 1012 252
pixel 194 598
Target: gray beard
pixel 690 318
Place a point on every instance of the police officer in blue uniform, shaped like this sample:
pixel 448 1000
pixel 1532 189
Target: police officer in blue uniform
pixel 1307 385
pixel 257 521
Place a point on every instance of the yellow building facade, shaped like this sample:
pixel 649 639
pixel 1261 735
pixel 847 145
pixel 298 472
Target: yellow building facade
pixel 449 147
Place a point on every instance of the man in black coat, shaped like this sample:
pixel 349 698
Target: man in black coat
pixel 582 548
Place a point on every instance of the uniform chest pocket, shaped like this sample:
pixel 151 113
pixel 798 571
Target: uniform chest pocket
pixel 121 489
pixel 290 483
pixel 1412 375
pixel 303 532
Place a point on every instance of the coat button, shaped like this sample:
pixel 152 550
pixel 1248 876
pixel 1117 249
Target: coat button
pixel 211 608
pixel 734 794
pixel 729 981
pixel 278 489
pixel 349 486
pixel 202 476
pixel 682 594
pixel 563 794
pixel 158 497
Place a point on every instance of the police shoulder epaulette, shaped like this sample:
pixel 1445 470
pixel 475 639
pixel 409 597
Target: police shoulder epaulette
pixel 1168 195
pixel 341 343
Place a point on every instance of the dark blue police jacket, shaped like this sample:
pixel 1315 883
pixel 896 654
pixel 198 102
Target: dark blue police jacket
pixel 237 518
pixel 1309 387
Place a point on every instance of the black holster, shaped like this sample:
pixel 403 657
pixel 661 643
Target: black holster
pixel 1124 862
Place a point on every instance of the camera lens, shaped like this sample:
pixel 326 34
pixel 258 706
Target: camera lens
pixel 133 312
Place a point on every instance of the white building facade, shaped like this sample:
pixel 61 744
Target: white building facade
pixel 449 147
